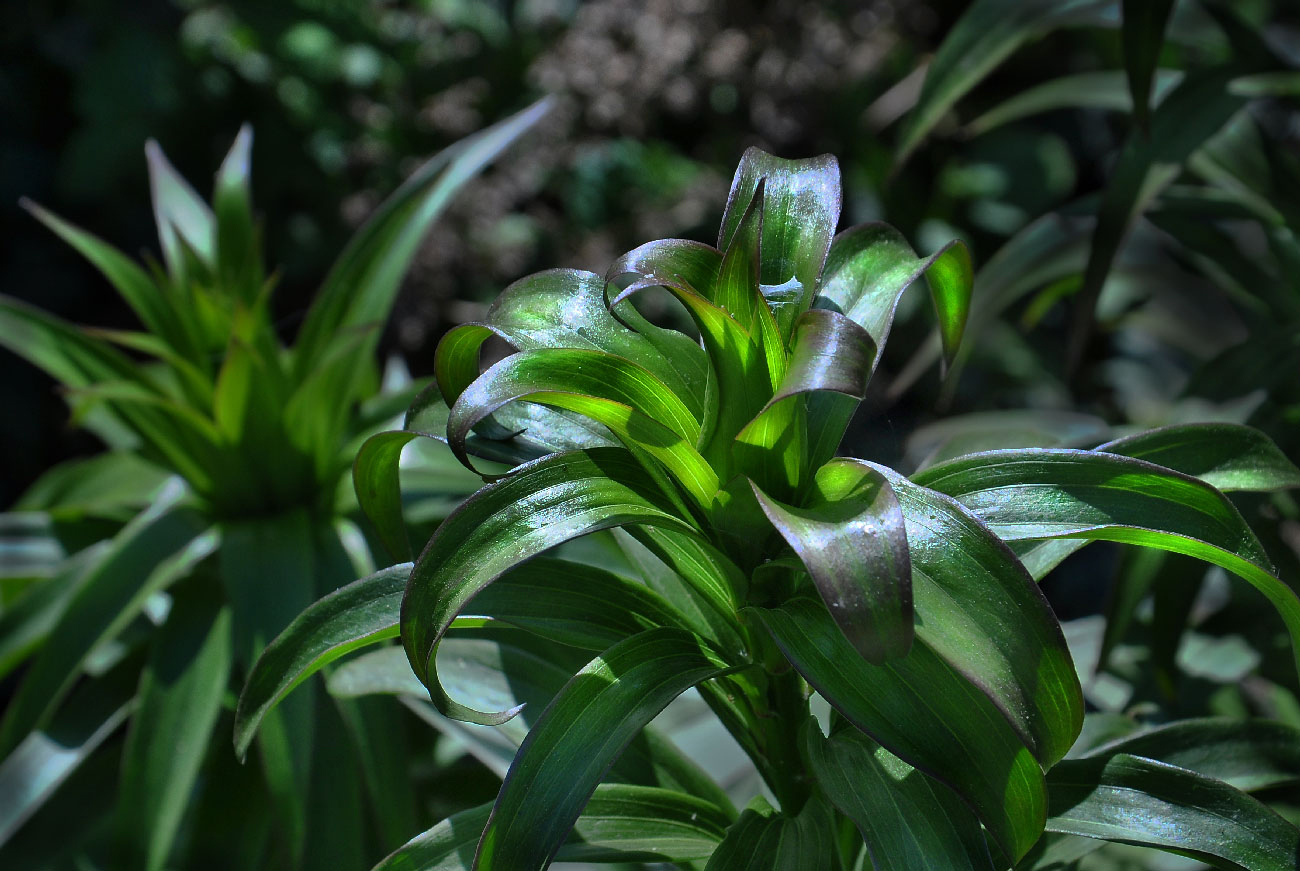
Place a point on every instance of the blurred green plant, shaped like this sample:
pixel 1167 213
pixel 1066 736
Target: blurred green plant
pixel 216 516
pixel 779 581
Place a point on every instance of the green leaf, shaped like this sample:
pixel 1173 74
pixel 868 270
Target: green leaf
pixel 1246 754
pixel 26 623
pixel 131 282
pixel 612 390
pixel 960 434
pixel 987 33
pixel 925 713
pixel 114 484
pixel 580 735
pixel 1226 456
pixel 183 219
pixel 1105 90
pixel 163 544
pixel 967 588
pixel 361 613
pixel 363 282
pixel 238 269
pixel 800 203
pixel 1047 494
pixel 33 770
pixel 1143 35
pixel 828 352
pixel 619 822
pixel 540 505
pixel 1192 112
pixel 180 697
pixel 568 308
pixel 850 536
pixel 907 820
pixel 378 488
pixel 766 840
pixel 1139 801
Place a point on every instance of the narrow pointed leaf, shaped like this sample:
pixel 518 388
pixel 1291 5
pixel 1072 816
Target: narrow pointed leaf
pixel 766 840
pixel 183 219
pixel 1048 494
pixel 907 819
pixel 26 623
pixel 363 282
pixel 926 714
pixel 1226 456
pixel 580 735
pixel 1106 90
pixel 1143 35
pixel 180 697
pixel 985 35
pixel 850 536
pixel 161 545
pixel 540 505
pixel 237 263
pixel 1134 800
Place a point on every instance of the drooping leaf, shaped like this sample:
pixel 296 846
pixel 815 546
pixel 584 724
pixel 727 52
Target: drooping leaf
pixel 764 839
pixel 500 526
pixel 1226 456
pixel 1246 754
pixel 1139 801
pixel 179 700
pixel 161 545
pixel 987 33
pixel 26 623
pixel 926 714
pixel 365 279
pixel 1048 494
pixel 850 536
pixel 610 390
pixel 1106 90
pixel 980 612
pixel 580 735
pixel 800 208
pixel 989 430
pixel 907 819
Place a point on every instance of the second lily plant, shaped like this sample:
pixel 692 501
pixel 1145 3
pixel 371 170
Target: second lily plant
pixel 780 580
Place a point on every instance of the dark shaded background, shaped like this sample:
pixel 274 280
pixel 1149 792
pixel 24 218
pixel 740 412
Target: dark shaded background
pixel 659 99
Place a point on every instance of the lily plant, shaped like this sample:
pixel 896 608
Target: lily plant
pixel 141 584
pixel 876 644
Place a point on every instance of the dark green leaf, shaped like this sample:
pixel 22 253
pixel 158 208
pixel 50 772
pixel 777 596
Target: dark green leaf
pixel 765 840
pixel 907 820
pixel 26 623
pixel 1143 33
pixel 238 269
pixel 1245 754
pixel 580 735
pixel 925 713
pixel 1224 455
pixel 180 696
pixel 163 544
pixel 981 613
pixel 365 279
pixel 364 612
pixel 540 505
pixel 1139 801
pixel 850 536
pixel 609 389
pixel 800 204
pixel 1049 494
pixel 1106 90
